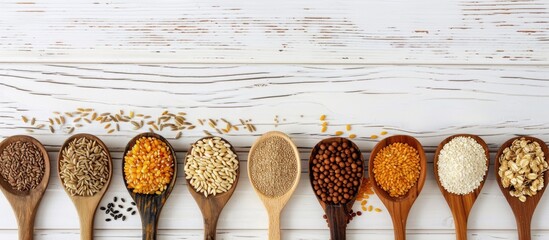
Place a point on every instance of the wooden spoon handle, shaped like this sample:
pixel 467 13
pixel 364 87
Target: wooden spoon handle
pixel 461 228
pixel 337 220
pixel 210 225
pixel 524 229
pixel 25 224
pixel 274 225
pixel 86 228
pixel 399 217
pixel 149 211
pixel 86 214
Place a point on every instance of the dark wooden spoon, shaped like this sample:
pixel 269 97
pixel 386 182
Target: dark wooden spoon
pixel 212 206
pixel 150 205
pixel 399 207
pixel 523 211
pixel 337 213
pixel 461 205
pixel 25 204
pixel 86 206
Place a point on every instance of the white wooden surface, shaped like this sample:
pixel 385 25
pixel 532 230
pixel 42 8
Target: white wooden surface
pixel 428 102
pixel 426 68
pixel 325 31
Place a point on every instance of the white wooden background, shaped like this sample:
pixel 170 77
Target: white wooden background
pixel 426 68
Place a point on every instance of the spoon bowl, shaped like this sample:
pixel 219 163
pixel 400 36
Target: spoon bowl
pixel 274 205
pixel 150 205
pixel 337 213
pixel 461 205
pixel 523 211
pixel 86 205
pixel 212 205
pixel 25 204
pixel 399 207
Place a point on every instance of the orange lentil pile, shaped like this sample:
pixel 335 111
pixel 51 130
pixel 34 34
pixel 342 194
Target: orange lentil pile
pixel 366 189
pixel 148 166
pixel 396 168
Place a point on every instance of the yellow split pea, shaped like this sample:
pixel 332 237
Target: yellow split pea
pixel 397 168
pixel 148 166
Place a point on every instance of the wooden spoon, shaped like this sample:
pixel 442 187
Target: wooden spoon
pixel 150 205
pixel 399 207
pixel 212 206
pixel 461 205
pixel 523 211
pixel 274 205
pixel 86 205
pixel 25 204
pixel 337 213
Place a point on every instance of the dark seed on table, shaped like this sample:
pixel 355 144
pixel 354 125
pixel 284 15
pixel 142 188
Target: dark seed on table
pixel 120 206
pixel 133 213
pixel 123 200
pixel 108 211
pixel 115 217
pixel 123 218
pixel 129 209
pixel 119 215
pixel 102 208
pixel 108 220
pixel 116 212
pixel 115 199
pixel 133 203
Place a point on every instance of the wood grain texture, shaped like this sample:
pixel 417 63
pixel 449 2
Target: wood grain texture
pixel 460 205
pixel 399 207
pixel 494 102
pixel 211 206
pixel 150 205
pixel 86 206
pixel 329 31
pixel 25 204
pixel 523 211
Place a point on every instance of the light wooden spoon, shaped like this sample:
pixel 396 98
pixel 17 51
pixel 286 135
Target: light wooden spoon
pixel 86 205
pixel 212 206
pixel 150 205
pixel 523 211
pixel 25 204
pixel 399 207
pixel 337 213
pixel 461 205
pixel 274 205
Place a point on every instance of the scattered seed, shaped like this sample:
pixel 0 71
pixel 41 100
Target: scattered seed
pixel 322 117
pixel 25 119
pixel 338 133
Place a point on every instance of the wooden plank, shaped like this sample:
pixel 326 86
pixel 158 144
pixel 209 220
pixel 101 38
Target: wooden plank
pixel 356 31
pixel 428 102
